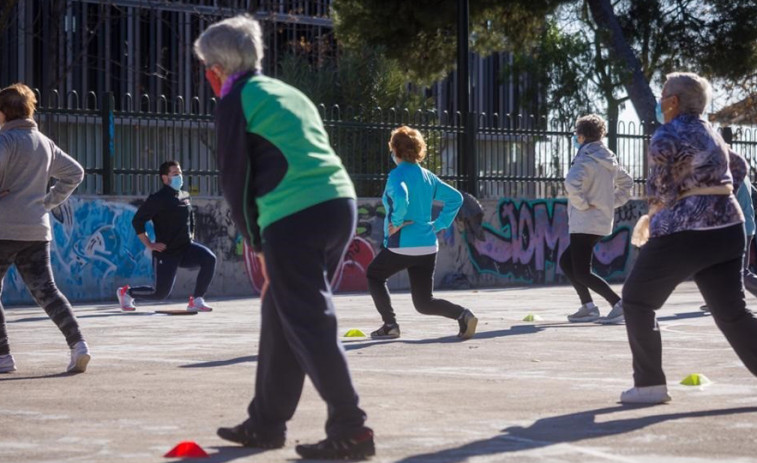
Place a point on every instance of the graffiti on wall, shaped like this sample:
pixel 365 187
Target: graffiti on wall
pixel 525 239
pixel 349 277
pixel 94 247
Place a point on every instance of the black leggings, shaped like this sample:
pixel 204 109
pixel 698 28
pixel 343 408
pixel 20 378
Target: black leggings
pixel 420 269
pixel 576 264
pixel 32 259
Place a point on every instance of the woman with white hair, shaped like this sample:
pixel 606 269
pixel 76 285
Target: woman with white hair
pixel 696 229
pixel 293 201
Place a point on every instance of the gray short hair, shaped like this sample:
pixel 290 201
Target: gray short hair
pixel 235 44
pixel 693 91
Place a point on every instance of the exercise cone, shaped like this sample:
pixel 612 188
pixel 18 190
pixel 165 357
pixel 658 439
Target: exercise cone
pixel 187 449
pixel 695 379
pixel 354 333
pixel 532 318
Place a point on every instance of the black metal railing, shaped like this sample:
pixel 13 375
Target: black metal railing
pixel 121 144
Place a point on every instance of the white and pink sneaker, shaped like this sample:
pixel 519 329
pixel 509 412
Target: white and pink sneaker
pixel 197 304
pixel 125 300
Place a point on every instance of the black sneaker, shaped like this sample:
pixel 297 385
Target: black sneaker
pixel 391 331
pixel 240 435
pixel 358 447
pixel 467 322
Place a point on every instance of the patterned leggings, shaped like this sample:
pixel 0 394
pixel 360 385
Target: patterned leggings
pixel 32 259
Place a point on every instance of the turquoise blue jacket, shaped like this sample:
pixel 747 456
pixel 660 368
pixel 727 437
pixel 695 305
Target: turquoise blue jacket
pixel 744 197
pixel 409 195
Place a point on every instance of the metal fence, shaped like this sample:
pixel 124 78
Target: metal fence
pixel 122 144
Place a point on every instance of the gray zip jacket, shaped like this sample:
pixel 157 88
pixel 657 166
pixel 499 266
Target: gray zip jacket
pixel 28 160
pixel 596 184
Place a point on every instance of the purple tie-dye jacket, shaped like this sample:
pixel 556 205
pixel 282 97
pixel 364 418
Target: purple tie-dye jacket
pixel 687 153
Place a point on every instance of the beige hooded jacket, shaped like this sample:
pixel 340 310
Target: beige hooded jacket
pixel 596 184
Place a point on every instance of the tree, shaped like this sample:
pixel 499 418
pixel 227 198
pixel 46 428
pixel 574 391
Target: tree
pixel 630 43
pixel 422 35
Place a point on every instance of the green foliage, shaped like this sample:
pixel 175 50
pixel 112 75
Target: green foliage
pixel 422 35
pixel 364 95
pixel 357 78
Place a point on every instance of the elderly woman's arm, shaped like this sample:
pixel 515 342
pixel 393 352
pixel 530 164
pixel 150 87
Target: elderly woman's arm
pixel 661 187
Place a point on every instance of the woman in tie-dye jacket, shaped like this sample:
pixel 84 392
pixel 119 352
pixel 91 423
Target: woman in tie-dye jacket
pixel 696 229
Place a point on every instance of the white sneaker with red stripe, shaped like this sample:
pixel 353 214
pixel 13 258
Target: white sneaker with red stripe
pixel 197 304
pixel 125 300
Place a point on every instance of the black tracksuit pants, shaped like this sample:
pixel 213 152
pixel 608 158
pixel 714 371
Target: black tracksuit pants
pixel 165 265
pixel 715 259
pixel 298 331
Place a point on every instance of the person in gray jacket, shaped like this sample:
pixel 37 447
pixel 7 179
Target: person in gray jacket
pixel 28 160
pixel 596 184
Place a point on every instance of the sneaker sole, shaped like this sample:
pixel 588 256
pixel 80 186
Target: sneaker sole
pixel 198 310
pixel 647 401
pixel 7 370
pixel 388 336
pixel 335 455
pixel 81 364
pixel 470 330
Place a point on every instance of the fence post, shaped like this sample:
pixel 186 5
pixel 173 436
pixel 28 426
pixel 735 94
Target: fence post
pixel 108 134
pixel 471 156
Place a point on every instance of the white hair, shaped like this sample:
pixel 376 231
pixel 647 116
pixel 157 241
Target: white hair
pixel 235 44
pixel 693 91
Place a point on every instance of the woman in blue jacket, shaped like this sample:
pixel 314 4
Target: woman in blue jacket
pixel 410 236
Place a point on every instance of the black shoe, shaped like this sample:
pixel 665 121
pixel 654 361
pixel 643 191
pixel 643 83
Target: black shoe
pixel 357 447
pixel 240 435
pixel 387 331
pixel 467 322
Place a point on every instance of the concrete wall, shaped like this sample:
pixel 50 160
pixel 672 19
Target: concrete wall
pixel 95 250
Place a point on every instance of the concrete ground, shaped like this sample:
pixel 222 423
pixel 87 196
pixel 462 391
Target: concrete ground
pixel 519 391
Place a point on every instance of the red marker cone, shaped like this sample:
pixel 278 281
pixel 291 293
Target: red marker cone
pixel 187 449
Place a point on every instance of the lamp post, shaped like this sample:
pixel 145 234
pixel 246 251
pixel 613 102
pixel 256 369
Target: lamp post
pixel 466 141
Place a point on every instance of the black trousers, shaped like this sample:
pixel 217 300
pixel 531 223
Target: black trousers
pixel 575 263
pixel 420 269
pixel 32 259
pixel 715 259
pixel 195 255
pixel 298 331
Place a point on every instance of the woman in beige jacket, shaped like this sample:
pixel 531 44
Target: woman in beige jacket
pixel 596 184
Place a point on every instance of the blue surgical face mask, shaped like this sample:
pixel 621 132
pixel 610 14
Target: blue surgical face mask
pixel 658 112
pixel 576 145
pixel 176 182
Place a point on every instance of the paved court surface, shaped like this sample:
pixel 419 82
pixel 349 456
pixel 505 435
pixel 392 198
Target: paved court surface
pixel 519 391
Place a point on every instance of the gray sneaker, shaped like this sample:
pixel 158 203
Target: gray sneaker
pixel 7 364
pixel 79 358
pixel 615 317
pixel 587 313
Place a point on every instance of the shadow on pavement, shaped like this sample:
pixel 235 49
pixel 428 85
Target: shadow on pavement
pixel 361 344
pixel 573 427
pixel 222 363
pixel 13 377
pixel 682 316
pixel 226 453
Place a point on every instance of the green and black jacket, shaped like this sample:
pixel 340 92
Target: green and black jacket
pixel 273 155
